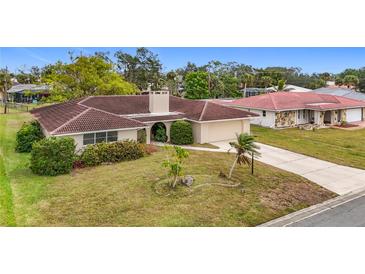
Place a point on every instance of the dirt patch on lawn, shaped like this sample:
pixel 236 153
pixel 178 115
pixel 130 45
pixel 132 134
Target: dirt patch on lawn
pixel 289 193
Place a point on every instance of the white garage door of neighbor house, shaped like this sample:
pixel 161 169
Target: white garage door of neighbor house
pixel 353 115
pixel 223 131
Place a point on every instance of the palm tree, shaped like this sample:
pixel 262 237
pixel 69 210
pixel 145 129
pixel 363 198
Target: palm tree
pixel 351 80
pixel 247 79
pixel 245 147
pixel 267 80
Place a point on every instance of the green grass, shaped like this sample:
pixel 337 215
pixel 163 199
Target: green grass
pixel 339 146
pixel 205 145
pixel 134 193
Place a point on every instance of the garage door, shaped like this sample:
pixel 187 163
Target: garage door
pixel 353 115
pixel 221 131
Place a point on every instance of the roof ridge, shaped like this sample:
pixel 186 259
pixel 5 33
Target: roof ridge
pixel 273 102
pixel 203 111
pixel 69 121
pixel 83 100
pixel 110 113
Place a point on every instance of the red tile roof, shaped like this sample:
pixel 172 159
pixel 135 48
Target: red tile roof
pixel 116 112
pixel 294 100
pixel 94 120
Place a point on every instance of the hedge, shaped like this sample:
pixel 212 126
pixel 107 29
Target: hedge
pixel 111 152
pixel 181 133
pixel 28 134
pixel 53 156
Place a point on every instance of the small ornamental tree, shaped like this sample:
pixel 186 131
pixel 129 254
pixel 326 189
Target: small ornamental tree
pixel 53 156
pixel 181 133
pixel 174 163
pixel 27 135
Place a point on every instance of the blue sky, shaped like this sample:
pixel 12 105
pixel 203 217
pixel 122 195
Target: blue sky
pixel 309 59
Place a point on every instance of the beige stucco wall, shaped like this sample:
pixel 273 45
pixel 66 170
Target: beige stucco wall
pixel 218 131
pixel 159 101
pixel 122 135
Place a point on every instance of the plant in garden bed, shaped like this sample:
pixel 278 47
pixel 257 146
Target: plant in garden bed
pixel 174 163
pixel 28 134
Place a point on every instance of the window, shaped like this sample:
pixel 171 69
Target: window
pixel 304 111
pixel 264 113
pixel 112 136
pixel 99 137
pixel 299 111
pixel 89 139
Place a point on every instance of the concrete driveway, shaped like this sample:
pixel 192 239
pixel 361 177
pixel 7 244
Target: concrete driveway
pixel 337 178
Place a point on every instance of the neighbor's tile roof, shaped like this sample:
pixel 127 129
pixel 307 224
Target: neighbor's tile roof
pixel 293 100
pixel 96 113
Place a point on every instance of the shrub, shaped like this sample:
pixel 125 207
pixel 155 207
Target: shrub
pixel 52 156
pixel 28 134
pixel 149 149
pixel 181 133
pixel 111 152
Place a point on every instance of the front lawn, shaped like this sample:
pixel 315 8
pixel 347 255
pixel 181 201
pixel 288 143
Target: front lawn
pixel 339 146
pixel 131 194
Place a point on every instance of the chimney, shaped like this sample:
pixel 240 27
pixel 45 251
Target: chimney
pixel 159 101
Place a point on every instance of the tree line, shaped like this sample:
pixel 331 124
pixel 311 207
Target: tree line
pixel 124 73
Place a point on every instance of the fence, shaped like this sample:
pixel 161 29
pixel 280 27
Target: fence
pixel 15 107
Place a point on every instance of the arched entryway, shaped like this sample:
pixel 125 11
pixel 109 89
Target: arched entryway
pixel 158 132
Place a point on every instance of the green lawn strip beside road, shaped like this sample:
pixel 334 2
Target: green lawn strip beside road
pixel 344 147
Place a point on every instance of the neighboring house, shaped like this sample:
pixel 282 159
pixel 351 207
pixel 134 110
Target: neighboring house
pixel 290 109
pixel 345 92
pixel 289 88
pixel 27 93
pixel 110 118
pixel 248 92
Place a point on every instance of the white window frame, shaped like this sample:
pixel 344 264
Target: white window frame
pixel 95 133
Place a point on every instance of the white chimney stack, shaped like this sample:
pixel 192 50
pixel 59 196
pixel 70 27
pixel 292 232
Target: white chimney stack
pixel 159 101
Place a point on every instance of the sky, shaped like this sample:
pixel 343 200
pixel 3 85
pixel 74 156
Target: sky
pixel 333 60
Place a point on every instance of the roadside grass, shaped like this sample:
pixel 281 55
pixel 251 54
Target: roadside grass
pixel 343 147
pixel 134 194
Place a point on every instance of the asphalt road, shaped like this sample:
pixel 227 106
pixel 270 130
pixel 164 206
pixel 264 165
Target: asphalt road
pixel 348 214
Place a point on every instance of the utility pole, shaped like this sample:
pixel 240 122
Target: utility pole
pixel 6 91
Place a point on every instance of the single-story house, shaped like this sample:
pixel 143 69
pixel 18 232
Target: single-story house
pixel 345 92
pixel 289 88
pixel 290 109
pixel 27 93
pixel 110 118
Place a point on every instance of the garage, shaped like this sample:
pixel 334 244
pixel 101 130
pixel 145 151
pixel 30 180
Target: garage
pixel 219 131
pixel 353 115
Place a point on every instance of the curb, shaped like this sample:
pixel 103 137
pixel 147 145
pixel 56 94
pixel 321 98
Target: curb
pixel 314 210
